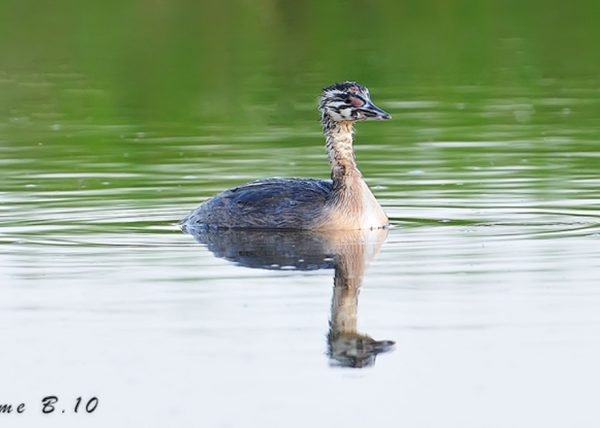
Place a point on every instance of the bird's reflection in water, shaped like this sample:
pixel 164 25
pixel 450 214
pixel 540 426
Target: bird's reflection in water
pixel 348 253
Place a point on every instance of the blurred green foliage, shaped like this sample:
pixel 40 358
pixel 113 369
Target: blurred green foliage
pixel 221 60
pixel 148 92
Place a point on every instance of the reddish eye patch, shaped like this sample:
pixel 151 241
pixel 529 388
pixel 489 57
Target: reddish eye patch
pixel 354 88
pixel 356 102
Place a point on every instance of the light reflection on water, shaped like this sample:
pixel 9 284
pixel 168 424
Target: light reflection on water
pixel 487 282
pixel 347 253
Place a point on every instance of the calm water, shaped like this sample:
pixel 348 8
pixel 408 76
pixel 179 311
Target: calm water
pixel 488 281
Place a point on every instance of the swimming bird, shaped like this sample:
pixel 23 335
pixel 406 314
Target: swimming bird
pixel 343 203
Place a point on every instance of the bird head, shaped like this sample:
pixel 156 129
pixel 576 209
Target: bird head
pixel 349 101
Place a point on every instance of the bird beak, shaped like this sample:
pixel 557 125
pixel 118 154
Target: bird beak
pixel 373 112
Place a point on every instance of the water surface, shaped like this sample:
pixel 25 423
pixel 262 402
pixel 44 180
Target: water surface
pixel 487 281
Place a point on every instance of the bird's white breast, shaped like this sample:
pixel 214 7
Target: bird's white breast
pixel 373 216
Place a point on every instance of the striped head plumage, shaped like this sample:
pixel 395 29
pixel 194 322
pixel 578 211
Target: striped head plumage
pixel 349 101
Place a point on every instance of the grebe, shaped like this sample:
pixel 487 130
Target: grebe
pixel 343 203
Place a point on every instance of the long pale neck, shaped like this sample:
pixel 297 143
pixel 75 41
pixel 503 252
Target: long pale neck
pixel 338 136
pixel 352 204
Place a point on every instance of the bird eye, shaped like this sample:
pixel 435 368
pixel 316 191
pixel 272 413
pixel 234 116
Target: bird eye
pixel 355 101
